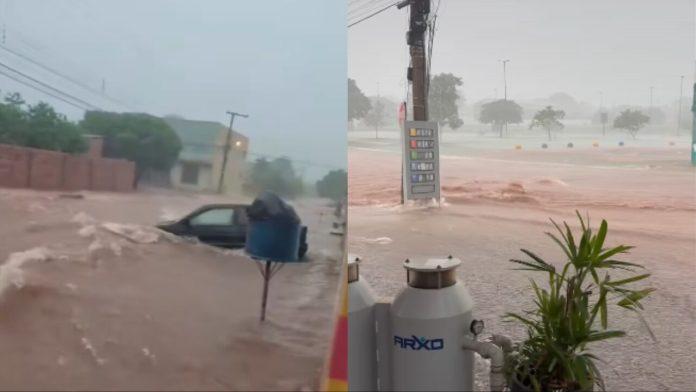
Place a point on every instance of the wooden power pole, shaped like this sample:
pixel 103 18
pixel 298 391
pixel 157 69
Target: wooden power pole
pixel 418 25
pixel 227 147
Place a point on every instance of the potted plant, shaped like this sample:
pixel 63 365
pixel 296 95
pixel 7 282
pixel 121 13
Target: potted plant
pixel 571 312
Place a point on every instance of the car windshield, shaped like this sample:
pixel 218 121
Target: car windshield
pixel 218 217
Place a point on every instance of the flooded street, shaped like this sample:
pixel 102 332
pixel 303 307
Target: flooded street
pixel 93 297
pixel 498 200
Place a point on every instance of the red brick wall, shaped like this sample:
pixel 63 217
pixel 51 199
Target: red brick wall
pixel 46 169
pixel 124 175
pixel 14 167
pixel 77 173
pixel 103 177
pixel 43 169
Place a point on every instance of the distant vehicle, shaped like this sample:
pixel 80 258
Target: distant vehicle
pixel 221 225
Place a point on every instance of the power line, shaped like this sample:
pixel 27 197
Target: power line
pixel 366 8
pixel 50 87
pixel 373 14
pixel 41 90
pixel 62 75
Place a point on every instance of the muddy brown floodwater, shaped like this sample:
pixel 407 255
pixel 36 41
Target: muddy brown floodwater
pixel 92 297
pixel 496 202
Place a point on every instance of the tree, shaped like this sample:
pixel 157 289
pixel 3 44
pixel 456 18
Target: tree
pixel 631 121
pixel 144 139
pixel 334 185
pixel 443 98
pixel 38 126
pixel 501 112
pixel 358 104
pixel 14 99
pixel 277 176
pixel 376 116
pixel 548 119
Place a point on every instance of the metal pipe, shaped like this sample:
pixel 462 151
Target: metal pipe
pixel 492 351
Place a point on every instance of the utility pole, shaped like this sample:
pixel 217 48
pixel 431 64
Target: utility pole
pixel 103 86
pixel 651 97
pixel 681 95
pixel 416 42
pixel 226 151
pixel 417 73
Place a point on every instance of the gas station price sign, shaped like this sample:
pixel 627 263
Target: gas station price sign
pixel 421 160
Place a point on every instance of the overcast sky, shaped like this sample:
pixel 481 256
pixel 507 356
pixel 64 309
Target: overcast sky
pixel 283 62
pixel 582 47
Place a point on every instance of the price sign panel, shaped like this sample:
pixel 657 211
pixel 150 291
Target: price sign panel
pixel 421 160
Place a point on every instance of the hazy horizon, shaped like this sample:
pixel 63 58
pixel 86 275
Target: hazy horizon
pixel 580 48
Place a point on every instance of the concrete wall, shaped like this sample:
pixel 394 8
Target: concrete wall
pixel 43 169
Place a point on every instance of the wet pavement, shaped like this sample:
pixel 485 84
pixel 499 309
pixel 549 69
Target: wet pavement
pixel 498 201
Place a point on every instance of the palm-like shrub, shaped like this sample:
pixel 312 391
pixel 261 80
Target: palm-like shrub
pixel 572 312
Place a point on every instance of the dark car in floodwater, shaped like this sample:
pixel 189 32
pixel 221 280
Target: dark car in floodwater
pixel 221 225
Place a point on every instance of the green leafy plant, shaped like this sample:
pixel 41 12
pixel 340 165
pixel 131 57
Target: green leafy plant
pixel 572 312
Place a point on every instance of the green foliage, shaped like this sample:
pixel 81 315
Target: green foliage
pixel 277 176
pixel 632 121
pixel 38 126
pixel 443 98
pixel 573 311
pixel 500 112
pixel 144 139
pixel 548 119
pixel 334 185
pixel 358 104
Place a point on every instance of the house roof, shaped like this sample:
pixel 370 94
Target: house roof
pixel 198 138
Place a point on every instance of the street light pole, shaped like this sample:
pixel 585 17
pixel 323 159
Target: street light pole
pixel 504 77
pixel 226 151
pixel 505 88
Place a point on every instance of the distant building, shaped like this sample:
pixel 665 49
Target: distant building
pixel 203 148
pixel 95 146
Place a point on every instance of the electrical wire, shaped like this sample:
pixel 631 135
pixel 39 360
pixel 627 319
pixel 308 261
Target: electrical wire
pixel 41 90
pixel 431 39
pixel 87 104
pixel 373 14
pixel 364 9
pixel 64 76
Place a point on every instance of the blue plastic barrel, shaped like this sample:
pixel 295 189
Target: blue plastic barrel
pixel 274 239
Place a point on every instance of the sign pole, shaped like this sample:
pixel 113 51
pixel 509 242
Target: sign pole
pixel 266 279
pixel 269 269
